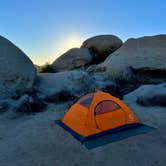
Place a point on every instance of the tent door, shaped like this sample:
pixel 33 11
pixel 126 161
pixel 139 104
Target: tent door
pixel 109 115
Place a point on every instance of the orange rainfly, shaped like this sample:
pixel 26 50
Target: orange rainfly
pixel 96 114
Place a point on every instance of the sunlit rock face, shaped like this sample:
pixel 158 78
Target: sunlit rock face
pixel 72 59
pixel 142 54
pixel 103 45
pixel 17 72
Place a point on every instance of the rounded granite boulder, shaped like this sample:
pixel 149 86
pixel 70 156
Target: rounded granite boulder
pixel 17 72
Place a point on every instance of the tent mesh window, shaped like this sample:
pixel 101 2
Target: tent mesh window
pixel 86 102
pixel 106 106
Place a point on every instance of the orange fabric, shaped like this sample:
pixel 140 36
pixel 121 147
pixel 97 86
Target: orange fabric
pixel 76 119
pixel 84 121
pixel 110 120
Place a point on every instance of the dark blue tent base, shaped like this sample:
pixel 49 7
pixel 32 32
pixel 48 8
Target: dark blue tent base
pixel 109 136
pixel 117 136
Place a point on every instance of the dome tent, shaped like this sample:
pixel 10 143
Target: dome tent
pixel 96 114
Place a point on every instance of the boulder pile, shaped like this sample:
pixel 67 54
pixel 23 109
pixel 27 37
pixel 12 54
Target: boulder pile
pixel 102 62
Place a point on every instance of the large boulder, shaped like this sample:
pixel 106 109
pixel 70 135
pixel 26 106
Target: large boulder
pixel 74 58
pixel 17 72
pixel 145 55
pixel 62 86
pixel 103 45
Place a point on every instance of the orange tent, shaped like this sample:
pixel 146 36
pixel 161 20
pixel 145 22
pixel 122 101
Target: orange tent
pixel 96 114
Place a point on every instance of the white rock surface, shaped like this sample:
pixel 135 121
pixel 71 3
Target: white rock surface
pixel 149 94
pixel 152 115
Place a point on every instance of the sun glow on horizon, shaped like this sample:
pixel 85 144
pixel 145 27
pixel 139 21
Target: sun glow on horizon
pixel 60 48
pixel 67 44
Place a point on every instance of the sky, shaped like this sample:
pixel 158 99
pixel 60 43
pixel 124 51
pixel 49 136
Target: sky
pixel 45 29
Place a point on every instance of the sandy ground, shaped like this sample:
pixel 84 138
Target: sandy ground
pixel 34 140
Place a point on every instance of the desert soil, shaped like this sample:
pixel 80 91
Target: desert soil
pixel 35 140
